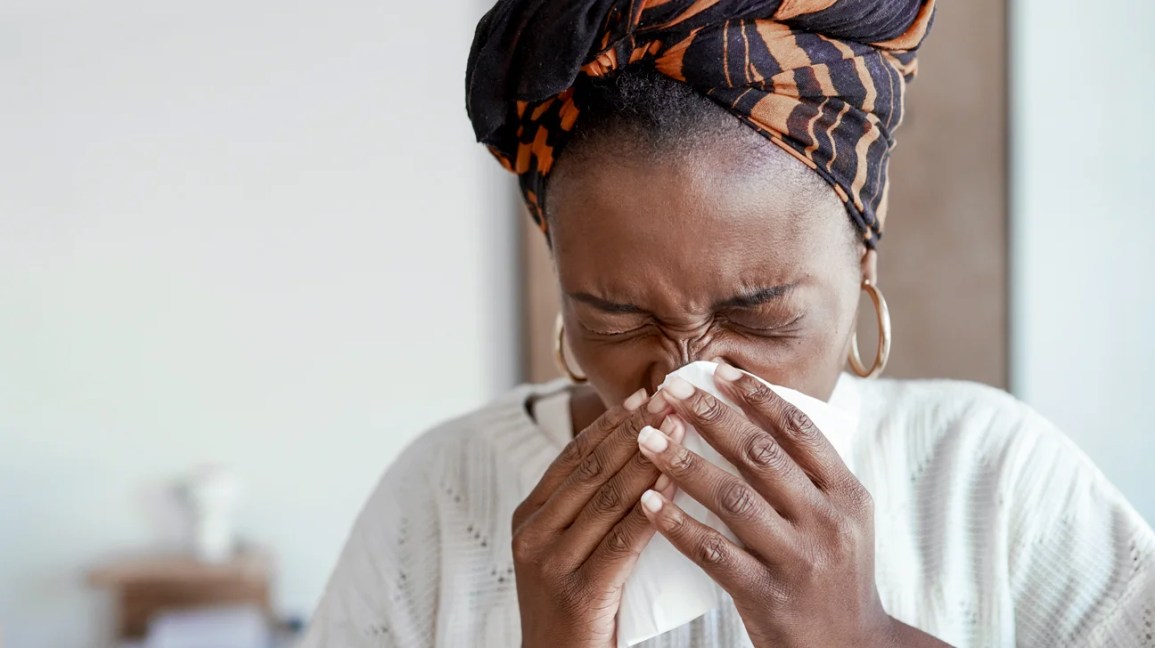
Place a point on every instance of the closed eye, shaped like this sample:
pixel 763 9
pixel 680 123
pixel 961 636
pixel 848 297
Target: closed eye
pixel 612 332
pixel 760 324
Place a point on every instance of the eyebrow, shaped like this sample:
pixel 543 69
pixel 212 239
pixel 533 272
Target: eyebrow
pixel 747 300
pixel 605 304
pixel 757 298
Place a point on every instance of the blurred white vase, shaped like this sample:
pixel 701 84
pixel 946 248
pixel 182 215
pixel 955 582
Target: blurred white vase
pixel 212 493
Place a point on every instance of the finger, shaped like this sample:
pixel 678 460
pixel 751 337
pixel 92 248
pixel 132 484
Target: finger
pixel 755 452
pixel 665 485
pixel 790 426
pixel 575 452
pixel 723 561
pixel 617 552
pixel 614 451
pixel 734 501
pixel 614 500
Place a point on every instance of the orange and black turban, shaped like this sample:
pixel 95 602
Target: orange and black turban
pixel 822 79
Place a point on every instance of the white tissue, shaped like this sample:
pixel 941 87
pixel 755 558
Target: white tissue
pixel 666 589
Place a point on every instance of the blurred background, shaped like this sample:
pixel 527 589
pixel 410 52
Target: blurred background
pixel 249 250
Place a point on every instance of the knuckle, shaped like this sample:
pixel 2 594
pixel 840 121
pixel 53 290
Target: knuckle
pixel 805 572
pixel 590 467
pixel 618 542
pixel 524 548
pixel 843 535
pixel 608 499
pixel 846 536
pixel 706 407
pixel 571 453
pixel 607 423
pixel 737 499
pixel 683 462
pixel 674 523
pixel 765 451
pixel 520 515
pixel 756 392
pixel 827 514
pixel 860 498
pixel 804 429
pixel 712 550
pixel 632 426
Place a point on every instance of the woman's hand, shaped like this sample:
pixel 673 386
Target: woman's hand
pixel 805 576
pixel 577 536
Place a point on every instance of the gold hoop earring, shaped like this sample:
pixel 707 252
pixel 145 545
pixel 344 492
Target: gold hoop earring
pixel 559 352
pixel 883 355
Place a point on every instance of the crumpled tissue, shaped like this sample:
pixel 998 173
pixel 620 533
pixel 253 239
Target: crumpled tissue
pixel 667 590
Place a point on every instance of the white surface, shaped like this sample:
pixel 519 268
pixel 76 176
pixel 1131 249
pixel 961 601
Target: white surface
pixel 667 590
pixel 251 233
pixel 223 627
pixel 1083 255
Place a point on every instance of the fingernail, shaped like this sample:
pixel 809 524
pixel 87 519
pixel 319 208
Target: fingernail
pixel 662 483
pixel 727 373
pixel 635 400
pixel 678 428
pixel 667 426
pixel 651 501
pixel 657 403
pixel 678 388
pixel 653 440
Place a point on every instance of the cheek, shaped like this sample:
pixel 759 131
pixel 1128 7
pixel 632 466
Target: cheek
pixel 616 371
pixel 811 364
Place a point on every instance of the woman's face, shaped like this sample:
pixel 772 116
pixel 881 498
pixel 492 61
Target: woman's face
pixel 715 255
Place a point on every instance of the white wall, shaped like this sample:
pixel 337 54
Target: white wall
pixel 256 233
pixel 1083 260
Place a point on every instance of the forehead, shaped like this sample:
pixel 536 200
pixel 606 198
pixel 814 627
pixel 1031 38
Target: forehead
pixel 694 225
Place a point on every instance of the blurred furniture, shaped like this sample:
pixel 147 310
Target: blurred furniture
pixel 235 626
pixel 146 587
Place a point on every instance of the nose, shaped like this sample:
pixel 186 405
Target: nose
pixel 680 347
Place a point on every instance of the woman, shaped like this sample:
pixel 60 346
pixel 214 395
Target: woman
pixel 693 164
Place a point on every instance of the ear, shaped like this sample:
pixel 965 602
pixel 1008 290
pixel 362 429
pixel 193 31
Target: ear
pixel 869 265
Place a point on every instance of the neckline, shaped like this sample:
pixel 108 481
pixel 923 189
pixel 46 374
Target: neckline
pixel 520 397
pixel 551 413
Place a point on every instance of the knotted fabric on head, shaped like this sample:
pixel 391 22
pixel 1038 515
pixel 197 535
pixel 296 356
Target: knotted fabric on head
pixel 822 79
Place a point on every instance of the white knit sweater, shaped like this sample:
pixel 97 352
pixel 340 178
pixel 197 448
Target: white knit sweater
pixel 992 529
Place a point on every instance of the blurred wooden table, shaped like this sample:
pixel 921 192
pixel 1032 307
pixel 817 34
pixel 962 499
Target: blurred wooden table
pixel 144 586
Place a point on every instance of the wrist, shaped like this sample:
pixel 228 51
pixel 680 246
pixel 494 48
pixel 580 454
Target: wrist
pixel 902 635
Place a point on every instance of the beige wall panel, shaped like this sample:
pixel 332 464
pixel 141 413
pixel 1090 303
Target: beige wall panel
pixel 943 259
pixel 541 303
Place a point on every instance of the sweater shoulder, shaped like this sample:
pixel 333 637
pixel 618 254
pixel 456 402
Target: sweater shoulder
pixel 481 458
pixel 493 423
pixel 939 406
pixel 952 430
pixel 945 397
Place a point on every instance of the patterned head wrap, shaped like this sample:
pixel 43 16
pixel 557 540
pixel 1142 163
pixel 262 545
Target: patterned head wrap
pixel 822 79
